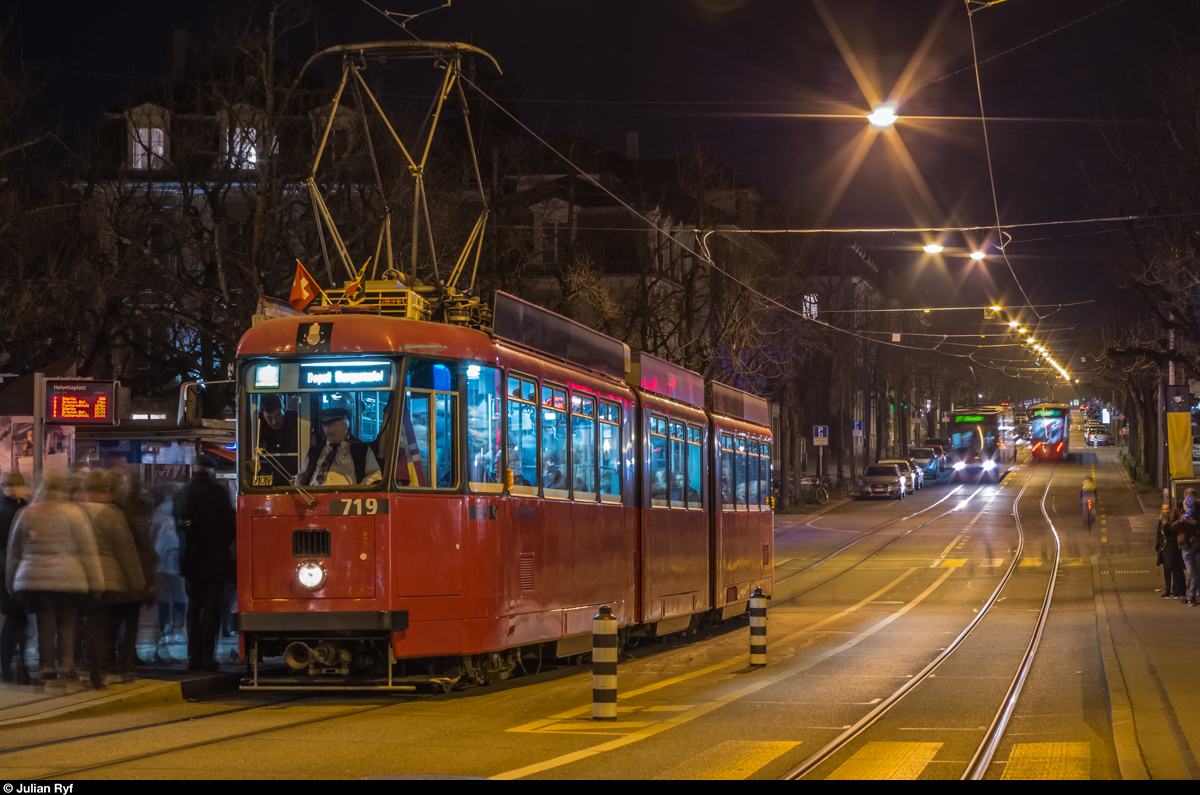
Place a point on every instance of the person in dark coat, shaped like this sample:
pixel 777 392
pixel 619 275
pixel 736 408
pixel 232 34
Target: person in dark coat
pixel 16 621
pixel 1169 556
pixel 207 525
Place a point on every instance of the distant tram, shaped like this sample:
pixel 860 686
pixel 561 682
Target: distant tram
pixel 981 442
pixel 423 503
pixel 1049 426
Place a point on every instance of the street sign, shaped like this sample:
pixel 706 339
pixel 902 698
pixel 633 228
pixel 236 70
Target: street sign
pixel 945 416
pixel 821 435
pixel 856 427
pixel 78 402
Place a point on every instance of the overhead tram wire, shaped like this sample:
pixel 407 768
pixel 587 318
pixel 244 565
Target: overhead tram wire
pixel 704 256
pixel 1000 244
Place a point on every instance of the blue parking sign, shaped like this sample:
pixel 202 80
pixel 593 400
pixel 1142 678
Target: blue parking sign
pixel 821 435
pixel 856 427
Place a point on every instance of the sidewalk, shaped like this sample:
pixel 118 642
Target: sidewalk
pixel 162 679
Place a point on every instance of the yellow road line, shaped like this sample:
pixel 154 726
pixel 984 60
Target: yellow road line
pixel 1031 561
pixel 887 762
pixel 952 563
pixel 732 760
pixel 1049 762
pixel 738 660
pixel 730 697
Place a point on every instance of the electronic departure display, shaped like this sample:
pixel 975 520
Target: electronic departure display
pixel 377 374
pixel 72 402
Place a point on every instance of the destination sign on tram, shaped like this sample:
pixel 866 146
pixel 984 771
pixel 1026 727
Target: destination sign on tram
pixel 71 402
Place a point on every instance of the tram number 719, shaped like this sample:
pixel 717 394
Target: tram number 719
pixel 357 507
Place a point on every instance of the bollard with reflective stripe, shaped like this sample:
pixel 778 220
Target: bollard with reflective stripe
pixel 604 666
pixel 758 628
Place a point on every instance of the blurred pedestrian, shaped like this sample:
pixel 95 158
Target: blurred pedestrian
pixel 172 596
pixel 1169 556
pixel 207 527
pixel 124 583
pixel 131 499
pixel 52 563
pixel 1087 498
pixel 16 622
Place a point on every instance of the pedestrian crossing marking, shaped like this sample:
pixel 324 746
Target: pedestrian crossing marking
pixel 1103 539
pixel 1049 762
pixel 1071 562
pixel 949 563
pixel 880 761
pixel 992 563
pixel 1031 561
pixel 732 760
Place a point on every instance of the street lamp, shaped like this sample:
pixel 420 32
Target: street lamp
pixel 977 255
pixel 933 248
pixel 883 115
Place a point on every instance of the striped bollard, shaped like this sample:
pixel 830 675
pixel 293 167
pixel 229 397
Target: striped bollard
pixel 604 665
pixel 758 629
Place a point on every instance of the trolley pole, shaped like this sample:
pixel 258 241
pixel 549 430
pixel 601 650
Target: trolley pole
pixel 758 629
pixel 604 665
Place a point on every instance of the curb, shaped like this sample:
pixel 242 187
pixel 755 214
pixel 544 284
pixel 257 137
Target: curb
pixel 116 698
pixel 1120 708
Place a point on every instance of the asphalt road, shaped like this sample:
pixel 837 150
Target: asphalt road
pixel 867 596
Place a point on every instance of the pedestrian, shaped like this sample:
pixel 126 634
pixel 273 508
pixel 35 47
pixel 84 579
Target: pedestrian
pixel 1087 499
pixel 207 528
pixel 131 499
pixel 16 622
pixel 1169 556
pixel 124 582
pixel 1187 536
pixel 172 596
pixel 52 564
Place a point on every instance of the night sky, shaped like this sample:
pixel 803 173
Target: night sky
pixel 733 73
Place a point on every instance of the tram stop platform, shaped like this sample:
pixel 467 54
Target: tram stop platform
pixel 163 678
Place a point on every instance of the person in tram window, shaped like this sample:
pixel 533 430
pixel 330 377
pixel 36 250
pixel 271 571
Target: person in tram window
pixel 555 479
pixel 514 463
pixel 339 459
pixel 658 487
pixel 680 491
pixel 278 432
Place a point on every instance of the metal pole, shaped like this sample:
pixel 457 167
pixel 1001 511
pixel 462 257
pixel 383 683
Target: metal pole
pixel 39 426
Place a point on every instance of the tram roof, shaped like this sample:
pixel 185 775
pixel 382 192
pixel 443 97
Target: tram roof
pixel 364 334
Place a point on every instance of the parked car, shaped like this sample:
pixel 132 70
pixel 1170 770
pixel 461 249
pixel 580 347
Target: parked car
pixel 882 480
pixel 908 469
pixel 1096 435
pixel 943 450
pixel 927 460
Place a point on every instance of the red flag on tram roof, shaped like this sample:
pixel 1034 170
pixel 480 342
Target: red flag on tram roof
pixel 304 288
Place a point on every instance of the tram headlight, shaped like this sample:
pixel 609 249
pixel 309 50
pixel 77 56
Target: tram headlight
pixel 988 466
pixel 311 574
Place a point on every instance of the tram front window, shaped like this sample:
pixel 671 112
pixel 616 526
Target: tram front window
pixel 307 429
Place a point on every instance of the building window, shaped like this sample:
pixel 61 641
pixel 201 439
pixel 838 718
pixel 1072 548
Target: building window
pixel 809 309
pixel 149 147
pixel 243 147
pixel 554 244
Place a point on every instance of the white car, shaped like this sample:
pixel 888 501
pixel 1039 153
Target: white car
pixel 907 471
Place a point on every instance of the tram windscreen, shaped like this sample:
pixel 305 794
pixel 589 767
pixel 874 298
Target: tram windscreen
pixel 317 424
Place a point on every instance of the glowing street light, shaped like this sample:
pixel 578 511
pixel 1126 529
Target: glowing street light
pixel 977 255
pixel 1013 324
pixel 883 116
pixel 995 307
pixel 1022 331
pixel 933 248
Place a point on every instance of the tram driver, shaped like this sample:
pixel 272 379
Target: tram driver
pixel 339 459
pixel 278 433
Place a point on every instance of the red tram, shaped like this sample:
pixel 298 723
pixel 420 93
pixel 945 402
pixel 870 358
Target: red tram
pixel 1049 437
pixel 423 502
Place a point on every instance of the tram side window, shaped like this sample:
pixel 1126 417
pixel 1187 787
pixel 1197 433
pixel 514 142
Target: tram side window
pixel 657 469
pixel 695 467
pixel 554 442
pixel 739 481
pixel 583 445
pixel 522 434
pixel 764 477
pixel 752 476
pixel 727 473
pixel 678 465
pixel 610 452
pixel 483 429
pixel 428 452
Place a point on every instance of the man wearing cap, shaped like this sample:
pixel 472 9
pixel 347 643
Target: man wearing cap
pixel 278 432
pixel 339 459
pixel 207 526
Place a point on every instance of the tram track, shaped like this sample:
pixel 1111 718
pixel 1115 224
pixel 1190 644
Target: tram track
pixel 982 758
